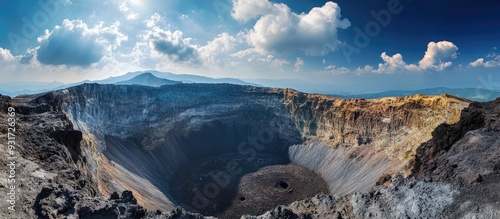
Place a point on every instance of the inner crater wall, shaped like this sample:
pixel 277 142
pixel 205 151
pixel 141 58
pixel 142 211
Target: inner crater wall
pixel 139 136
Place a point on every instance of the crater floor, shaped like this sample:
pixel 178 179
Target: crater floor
pixel 231 185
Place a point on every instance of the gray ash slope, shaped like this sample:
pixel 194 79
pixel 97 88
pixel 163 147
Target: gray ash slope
pixel 415 157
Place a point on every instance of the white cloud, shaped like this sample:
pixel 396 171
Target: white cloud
pixel 172 44
pixel 28 58
pixel 155 20
pixel 366 69
pixel 6 55
pixel 222 43
pixel 129 13
pixel 332 69
pixel 393 63
pixel 479 62
pixel 437 55
pixel 436 58
pixel 245 10
pixel 244 53
pixel 218 50
pixel 157 42
pixel 251 56
pixel 75 44
pixel 278 29
pixel 494 62
pixel 277 63
pixel 298 64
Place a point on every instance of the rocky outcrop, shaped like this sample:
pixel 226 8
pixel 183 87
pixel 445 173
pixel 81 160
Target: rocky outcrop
pixel 445 136
pixel 402 199
pixel 52 202
pixel 467 155
pixel 42 156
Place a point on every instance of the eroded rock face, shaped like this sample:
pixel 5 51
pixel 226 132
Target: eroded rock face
pixel 397 125
pixel 454 175
pixel 43 157
pixel 134 138
pixel 466 154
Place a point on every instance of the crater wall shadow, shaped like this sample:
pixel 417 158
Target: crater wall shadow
pixel 204 170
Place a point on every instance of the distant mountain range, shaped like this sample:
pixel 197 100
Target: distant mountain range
pixel 148 79
pixel 474 94
pixel 184 78
pixel 156 78
pixel 14 89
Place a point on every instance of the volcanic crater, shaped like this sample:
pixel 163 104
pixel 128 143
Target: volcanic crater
pixel 226 150
pixel 207 147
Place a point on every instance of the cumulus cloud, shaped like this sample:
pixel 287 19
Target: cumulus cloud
pixel 494 61
pixel 222 45
pixel 393 63
pixel 154 21
pixel 158 45
pixel 437 55
pixel 6 55
pixel 366 69
pixel 173 44
pixel 436 58
pixel 278 29
pixel 75 44
pixel 245 10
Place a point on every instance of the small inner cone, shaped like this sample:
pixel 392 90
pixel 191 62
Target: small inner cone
pixel 232 185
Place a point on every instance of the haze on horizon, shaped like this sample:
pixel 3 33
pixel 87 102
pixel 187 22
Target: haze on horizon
pixel 380 45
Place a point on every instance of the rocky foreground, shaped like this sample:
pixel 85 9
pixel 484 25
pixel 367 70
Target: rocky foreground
pixel 105 151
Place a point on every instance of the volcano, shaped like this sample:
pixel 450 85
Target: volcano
pixel 231 151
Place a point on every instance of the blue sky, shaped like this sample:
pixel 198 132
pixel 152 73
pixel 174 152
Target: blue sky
pixel 362 44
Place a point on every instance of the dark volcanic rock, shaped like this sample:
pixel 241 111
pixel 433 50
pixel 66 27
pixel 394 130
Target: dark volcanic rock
pixel 474 138
pixel 465 154
pixel 444 136
pixel 55 200
pixel 71 139
pixel 5 102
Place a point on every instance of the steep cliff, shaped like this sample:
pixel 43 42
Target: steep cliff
pixel 396 125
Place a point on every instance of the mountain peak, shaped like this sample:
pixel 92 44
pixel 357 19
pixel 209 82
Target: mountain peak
pixel 149 74
pixel 148 79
